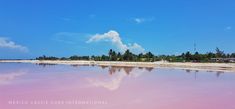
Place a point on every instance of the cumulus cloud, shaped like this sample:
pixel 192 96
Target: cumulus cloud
pixel 6 43
pixel 114 37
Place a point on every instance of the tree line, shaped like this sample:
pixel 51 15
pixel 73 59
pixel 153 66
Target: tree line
pixel 147 57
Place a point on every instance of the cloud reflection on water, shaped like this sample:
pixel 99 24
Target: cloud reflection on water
pixel 6 78
pixel 117 76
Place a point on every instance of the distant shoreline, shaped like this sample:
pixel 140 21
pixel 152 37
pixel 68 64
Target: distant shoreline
pixel 220 67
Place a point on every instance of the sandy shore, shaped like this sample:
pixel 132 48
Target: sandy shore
pixel 219 67
pixel 223 67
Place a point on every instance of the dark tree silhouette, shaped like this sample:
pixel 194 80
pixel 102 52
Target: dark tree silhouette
pixel 147 57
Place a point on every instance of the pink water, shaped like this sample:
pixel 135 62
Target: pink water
pixel 30 86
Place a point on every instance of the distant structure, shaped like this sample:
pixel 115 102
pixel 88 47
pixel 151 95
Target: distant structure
pixel 194 45
pixel 222 59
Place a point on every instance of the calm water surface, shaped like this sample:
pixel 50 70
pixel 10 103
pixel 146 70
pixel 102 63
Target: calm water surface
pixel 31 86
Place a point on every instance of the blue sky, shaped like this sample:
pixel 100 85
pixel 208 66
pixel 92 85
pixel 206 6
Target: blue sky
pixel 30 28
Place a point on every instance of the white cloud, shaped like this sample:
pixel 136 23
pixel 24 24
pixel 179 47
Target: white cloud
pixel 6 43
pixel 114 37
pixel 228 28
pixel 141 20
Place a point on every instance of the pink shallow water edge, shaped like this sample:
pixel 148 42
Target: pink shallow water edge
pixel 32 86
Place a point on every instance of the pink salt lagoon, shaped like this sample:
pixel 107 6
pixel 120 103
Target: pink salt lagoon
pixel 31 86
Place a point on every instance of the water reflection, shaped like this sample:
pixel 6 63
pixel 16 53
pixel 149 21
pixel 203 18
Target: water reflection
pixel 217 73
pixel 45 64
pixel 115 69
pixel 6 78
pixel 189 70
pixel 149 69
pixel 127 69
pixel 103 67
pixel 127 87
pixel 118 74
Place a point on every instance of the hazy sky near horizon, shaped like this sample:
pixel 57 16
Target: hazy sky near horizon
pixel 30 28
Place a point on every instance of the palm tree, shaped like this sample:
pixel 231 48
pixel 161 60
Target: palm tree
pixel 219 53
pixel 110 54
pixel 119 57
pixel 113 56
pixel 127 56
pixel 188 56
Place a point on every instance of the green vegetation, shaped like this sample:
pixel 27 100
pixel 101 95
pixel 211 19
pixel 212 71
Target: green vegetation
pixel 147 57
pixel 47 58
